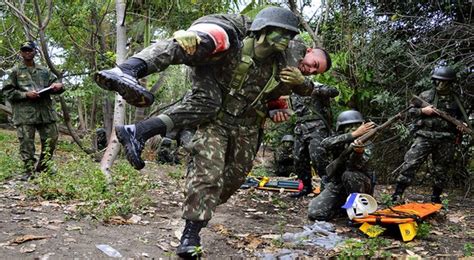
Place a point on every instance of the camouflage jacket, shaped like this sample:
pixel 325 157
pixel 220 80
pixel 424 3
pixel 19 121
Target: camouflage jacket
pixel 313 111
pixel 434 126
pixel 209 68
pixel 22 79
pixel 356 161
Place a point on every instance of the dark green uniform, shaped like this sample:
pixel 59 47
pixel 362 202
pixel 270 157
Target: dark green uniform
pixel 355 178
pixel 434 136
pixel 29 115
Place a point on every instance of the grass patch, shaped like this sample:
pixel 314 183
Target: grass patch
pixel 372 247
pixel 80 180
pixel 9 161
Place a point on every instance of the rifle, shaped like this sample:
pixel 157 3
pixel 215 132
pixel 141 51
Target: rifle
pixel 419 102
pixel 337 166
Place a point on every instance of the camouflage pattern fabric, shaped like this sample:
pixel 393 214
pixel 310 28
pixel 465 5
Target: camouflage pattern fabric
pixel 32 115
pixel 225 143
pixel 222 156
pixel 329 202
pixel 22 79
pixel 355 178
pixel 434 136
pixel 283 159
pixel 442 151
pixel 309 131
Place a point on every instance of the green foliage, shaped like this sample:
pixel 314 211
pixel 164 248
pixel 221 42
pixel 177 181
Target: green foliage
pixel 445 203
pixel 80 179
pixel 259 171
pixel 10 164
pixel 468 249
pixel 423 230
pixel 386 200
pixel 372 247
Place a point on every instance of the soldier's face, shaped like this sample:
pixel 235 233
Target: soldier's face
pixel 314 62
pixel 443 86
pixel 278 38
pixel 27 54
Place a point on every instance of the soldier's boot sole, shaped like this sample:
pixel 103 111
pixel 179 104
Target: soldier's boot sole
pixel 127 86
pixel 133 147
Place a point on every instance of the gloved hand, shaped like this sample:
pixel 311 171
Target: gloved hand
pixel 291 76
pixel 188 40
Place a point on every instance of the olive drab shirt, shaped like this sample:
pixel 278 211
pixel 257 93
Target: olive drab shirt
pixel 22 79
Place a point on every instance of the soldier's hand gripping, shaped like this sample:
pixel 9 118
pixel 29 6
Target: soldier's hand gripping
pixel 32 95
pixel 362 129
pixel 358 146
pixel 429 110
pixel 188 40
pixel 280 116
pixel 56 86
pixel 291 76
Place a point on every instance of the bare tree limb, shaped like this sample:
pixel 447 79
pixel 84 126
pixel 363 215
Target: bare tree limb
pixel 20 14
pixel 314 37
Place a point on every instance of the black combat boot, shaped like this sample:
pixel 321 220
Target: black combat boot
pixel 307 189
pixel 189 247
pixel 397 195
pixel 124 80
pixel 133 138
pixel 436 196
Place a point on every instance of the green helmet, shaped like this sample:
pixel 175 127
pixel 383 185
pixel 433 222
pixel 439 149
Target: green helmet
pixel 277 17
pixel 287 138
pixel 348 117
pixel 443 73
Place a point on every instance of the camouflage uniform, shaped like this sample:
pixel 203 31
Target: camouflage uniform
pixel 434 136
pixel 32 115
pixel 354 179
pixel 225 143
pixel 310 130
pixel 283 157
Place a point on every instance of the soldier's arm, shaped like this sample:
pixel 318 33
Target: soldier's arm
pixel 333 141
pixel 321 90
pixel 10 89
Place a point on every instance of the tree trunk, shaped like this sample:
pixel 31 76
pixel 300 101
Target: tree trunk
pixel 113 147
pixel 80 114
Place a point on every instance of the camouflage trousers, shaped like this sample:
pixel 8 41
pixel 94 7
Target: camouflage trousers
pixel 329 202
pixel 199 106
pixel 26 135
pixel 221 157
pixel 442 151
pixel 308 151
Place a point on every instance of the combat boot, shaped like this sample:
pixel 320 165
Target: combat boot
pixel 399 190
pixel 436 196
pixel 190 243
pixel 124 80
pixel 307 189
pixel 132 143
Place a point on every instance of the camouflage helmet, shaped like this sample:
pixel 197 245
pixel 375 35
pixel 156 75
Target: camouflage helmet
pixel 287 138
pixel 443 73
pixel 277 17
pixel 348 117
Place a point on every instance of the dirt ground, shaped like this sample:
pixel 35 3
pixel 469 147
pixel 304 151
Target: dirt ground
pixel 245 227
